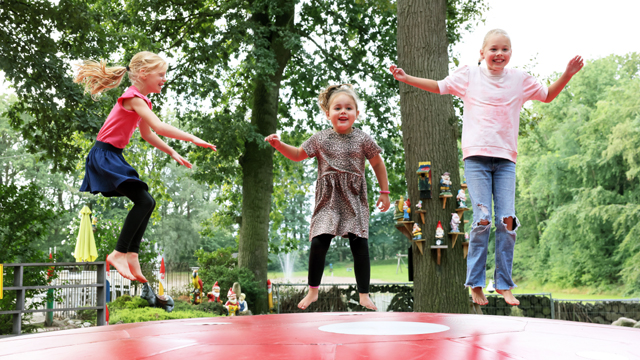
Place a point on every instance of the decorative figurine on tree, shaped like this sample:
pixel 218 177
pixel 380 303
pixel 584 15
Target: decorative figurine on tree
pixel 419 205
pixel 424 179
pixel 406 208
pixel 439 233
pixel 198 291
pixel 445 184
pixel 455 222
pixel 417 232
pixel 397 210
pixel 214 295
pixel 462 198
pixel 232 303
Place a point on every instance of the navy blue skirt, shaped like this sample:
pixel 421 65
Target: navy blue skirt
pixel 106 169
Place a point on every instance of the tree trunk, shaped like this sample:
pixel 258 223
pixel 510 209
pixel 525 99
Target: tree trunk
pixel 429 135
pixel 257 162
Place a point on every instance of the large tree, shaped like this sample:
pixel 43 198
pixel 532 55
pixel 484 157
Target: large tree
pixel 429 129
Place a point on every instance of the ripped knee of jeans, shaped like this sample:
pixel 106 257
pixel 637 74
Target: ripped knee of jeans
pixel 510 223
pixel 482 224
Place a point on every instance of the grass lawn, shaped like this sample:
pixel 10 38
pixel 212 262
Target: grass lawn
pixel 385 270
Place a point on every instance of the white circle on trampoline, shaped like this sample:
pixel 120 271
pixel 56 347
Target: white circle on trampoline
pixel 599 355
pixel 384 328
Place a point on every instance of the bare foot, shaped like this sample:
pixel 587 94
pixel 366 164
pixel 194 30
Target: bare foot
pixel 311 297
pixel 508 297
pixel 365 301
pixel 118 260
pixel 134 266
pixel 478 296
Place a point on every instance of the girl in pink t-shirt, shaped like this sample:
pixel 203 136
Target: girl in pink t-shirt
pixel 492 97
pixel 106 170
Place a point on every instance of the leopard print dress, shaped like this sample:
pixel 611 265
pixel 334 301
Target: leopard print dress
pixel 341 189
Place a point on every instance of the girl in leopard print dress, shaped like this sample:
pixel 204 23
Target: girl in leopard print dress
pixel 341 189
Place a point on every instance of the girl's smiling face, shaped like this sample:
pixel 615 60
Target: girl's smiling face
pixel 496 52
pixel 342 113
pixel 154 81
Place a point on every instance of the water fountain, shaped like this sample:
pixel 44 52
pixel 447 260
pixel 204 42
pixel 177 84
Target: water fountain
pixel 287 261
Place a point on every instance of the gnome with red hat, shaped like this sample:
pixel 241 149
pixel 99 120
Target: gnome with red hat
pixel 439 233
pixel 232 303
pixel 214 295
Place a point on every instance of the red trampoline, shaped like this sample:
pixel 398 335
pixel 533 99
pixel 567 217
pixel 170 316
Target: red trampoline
pixel 335 336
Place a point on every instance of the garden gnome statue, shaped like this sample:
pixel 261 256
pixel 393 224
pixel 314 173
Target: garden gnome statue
pixel 419 205
pixel 424 179
pixel 462 198
pixel 243 308
pixel 455 222
pixel 439 233
pixel 407 210
pixel 397 210
pixel 232 303
pixel 163 301
pixel 417 233
pixel 214 295
pixel 445 184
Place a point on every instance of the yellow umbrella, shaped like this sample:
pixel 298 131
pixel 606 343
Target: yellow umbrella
pixel 86 244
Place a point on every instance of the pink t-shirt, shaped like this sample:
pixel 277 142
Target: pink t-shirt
pixel 492 105
pixel 121 123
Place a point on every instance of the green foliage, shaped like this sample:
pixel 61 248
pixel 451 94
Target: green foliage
pixel 578 187
pixel 220 266
pixel 131 314
pixel 25 215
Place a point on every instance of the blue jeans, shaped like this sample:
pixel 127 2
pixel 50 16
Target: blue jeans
pixel 488 179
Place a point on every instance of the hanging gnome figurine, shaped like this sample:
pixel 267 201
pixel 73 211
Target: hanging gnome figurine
pixel 214 295
pixel 232 303
pixel 445 184
pixel 439 233
pixel 417 232
pixel 407 210
pixel 455 222
pixel 462 198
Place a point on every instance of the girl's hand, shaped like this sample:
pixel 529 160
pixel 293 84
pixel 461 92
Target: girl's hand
pixel 398 73
pixel 273 140
pixel 203 143
pixel 180 159
pixel 574 65
pixel 383 202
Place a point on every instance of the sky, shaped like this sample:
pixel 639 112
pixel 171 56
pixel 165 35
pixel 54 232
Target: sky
pixel 554 31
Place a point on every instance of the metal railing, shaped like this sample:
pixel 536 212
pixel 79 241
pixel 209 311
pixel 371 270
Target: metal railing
pixel 19 288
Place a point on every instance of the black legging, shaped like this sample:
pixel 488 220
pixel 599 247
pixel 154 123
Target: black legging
pixel 360 250
pixel 136 222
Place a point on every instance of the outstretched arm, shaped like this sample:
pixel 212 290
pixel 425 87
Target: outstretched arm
pixel 573 67
pixel 153 139
pixel 163 129
pixel 377 164
pixel 424 84
pixel 290 152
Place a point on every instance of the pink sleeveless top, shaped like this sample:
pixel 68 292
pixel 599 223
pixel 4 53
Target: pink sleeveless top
pixel 121 123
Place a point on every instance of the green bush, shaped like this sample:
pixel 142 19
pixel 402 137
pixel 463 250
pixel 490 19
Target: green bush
pixel 182 310
pixel 220 266
pixel 87 315
pixel 128 302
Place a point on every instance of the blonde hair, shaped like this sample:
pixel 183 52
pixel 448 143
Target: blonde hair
pixel 97 77
pixel 327 95
pixel 490 34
